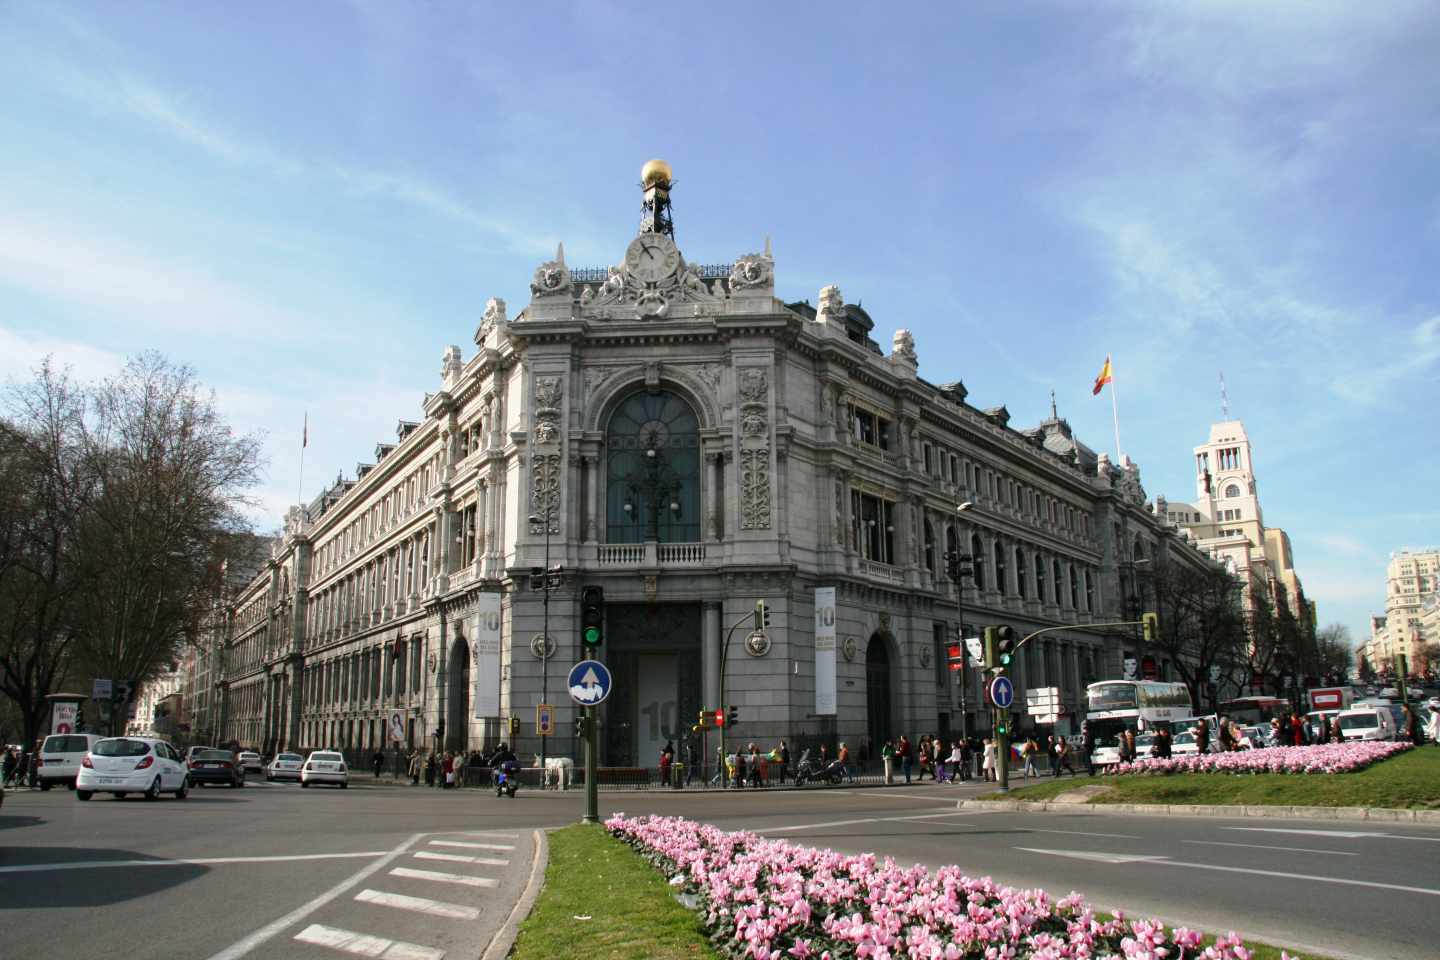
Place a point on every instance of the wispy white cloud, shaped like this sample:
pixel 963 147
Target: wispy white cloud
pixel 111 275
pixel 22 352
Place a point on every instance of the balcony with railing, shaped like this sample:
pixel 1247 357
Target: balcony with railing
pixel 651 554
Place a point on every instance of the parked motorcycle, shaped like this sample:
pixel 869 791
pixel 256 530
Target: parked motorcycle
pixel 807 772
pixel 507 778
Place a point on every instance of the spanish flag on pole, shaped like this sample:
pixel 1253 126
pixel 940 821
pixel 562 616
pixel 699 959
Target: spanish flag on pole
pixel 1106 376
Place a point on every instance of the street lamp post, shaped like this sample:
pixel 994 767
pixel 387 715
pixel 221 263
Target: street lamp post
pixel 958 566
pixel 545 628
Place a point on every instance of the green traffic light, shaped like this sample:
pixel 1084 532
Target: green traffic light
pixel 592 636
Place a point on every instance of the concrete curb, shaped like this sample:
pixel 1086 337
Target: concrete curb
pixel 1379 814
pixel 504 938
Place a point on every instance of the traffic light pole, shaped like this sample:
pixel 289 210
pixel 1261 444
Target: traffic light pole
pixel 721 706
pixel 592 791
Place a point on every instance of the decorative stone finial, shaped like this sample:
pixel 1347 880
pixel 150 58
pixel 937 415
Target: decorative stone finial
pixel 902 348
pixel 832 306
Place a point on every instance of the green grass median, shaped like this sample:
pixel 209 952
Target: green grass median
pixel 627 905
pixel 1408 781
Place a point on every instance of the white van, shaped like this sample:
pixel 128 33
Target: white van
pixel 1367 723
pixel 60 757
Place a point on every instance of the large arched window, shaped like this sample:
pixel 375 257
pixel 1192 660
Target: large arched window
pixel 652 489
pixel 978 561
pixel 1232 491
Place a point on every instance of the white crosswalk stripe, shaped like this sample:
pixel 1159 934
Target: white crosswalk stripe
pixel 461 858
pixel 440 877
pixel 365 945
pixel 472 846
pixel 435 908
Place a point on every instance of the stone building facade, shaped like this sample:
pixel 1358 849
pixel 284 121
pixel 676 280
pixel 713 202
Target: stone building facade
pixel 678 436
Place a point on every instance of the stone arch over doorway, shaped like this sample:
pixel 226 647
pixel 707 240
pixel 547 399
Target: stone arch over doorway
pixel 457 695
pixel 880 676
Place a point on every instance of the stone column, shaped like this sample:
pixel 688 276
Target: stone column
pixel 591 462
pixel 711 531
pixel 710 646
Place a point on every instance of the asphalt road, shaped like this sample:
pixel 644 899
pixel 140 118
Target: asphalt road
pixel 269 853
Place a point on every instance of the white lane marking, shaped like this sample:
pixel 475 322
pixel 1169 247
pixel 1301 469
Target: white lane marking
pixel 1304 876
pixel 1081 833
pixel 245 945
pixel 439 877
pixel 866 795
pixel 1261 846
pixel 485 833
pixel 846 823
pixel 191 861
pixel 1347 834
pixel 458 858
pixel 435 908
pixel 365 945
pixel 1097 857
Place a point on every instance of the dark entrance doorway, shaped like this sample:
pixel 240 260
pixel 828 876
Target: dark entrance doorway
pixel 457 707
pixel 877 690
pixel 653 652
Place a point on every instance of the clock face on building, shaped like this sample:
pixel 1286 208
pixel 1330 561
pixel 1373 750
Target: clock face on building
pixel 652 256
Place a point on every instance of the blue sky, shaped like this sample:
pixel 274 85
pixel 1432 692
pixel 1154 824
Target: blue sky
pixel 307 202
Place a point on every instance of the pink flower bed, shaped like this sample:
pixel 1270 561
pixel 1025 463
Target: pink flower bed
pixel 1321 758
pixel 773 900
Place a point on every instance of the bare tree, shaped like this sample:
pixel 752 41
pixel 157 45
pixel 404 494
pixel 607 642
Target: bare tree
pixel 44 490
pixel 119 504
pixel 171 481
pixel 1335 652
pixel 1201 626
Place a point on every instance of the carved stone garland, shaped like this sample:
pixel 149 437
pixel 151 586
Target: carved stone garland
pixel 754 389
pixel 545 465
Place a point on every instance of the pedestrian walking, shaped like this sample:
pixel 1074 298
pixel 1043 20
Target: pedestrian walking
pixel 906 755
pixel 1050 757
pixel 988 764
pixel 9 765
pixel 447 767
pixel 690 765
pixel 844 757
pixel 887 762
pixel 1202 737
pixel 753 760
pixel 784 755
pixel 1027 752
pixel 1063 754
pixel 1432 728
pixel 667 756
pixel 413 768
pixel 926 761
pixel 377 763
pixel 431 768
pixel 1087 747
pixel 957 762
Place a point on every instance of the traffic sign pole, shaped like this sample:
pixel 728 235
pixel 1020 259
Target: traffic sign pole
pixel 1002 694
pixel 592 791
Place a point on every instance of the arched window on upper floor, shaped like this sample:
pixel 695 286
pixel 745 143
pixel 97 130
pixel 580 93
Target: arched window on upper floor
pixel 1232 490
pixel 929 547
pixel 652 473
pixel 1020 571
pixel 1000 567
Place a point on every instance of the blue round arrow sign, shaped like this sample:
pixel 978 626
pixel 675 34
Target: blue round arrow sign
pixel 589 683
pixel 1002 692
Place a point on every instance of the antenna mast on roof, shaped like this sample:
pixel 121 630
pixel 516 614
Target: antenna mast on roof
pixel 1224 399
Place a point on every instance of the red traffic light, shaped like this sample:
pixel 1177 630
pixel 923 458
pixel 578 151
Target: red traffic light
pixel 955 656
pixel 719 718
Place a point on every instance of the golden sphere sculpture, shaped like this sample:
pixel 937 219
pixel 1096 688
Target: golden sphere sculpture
pixel 655 173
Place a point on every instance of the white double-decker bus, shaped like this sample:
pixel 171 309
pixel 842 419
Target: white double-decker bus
pixel 1140 705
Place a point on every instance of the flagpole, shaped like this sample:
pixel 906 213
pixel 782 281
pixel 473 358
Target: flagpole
pixel 1115 416
pixel 304 442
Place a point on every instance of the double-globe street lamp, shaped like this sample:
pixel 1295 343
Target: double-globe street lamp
pixel 960 565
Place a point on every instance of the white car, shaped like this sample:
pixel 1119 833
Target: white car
pixel 122 765
pixel 251 761
pixel 285 766
pixel 60 757
pixel 324 766
pixel 1367 723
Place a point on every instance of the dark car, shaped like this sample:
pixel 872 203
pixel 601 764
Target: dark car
pixel 215 766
